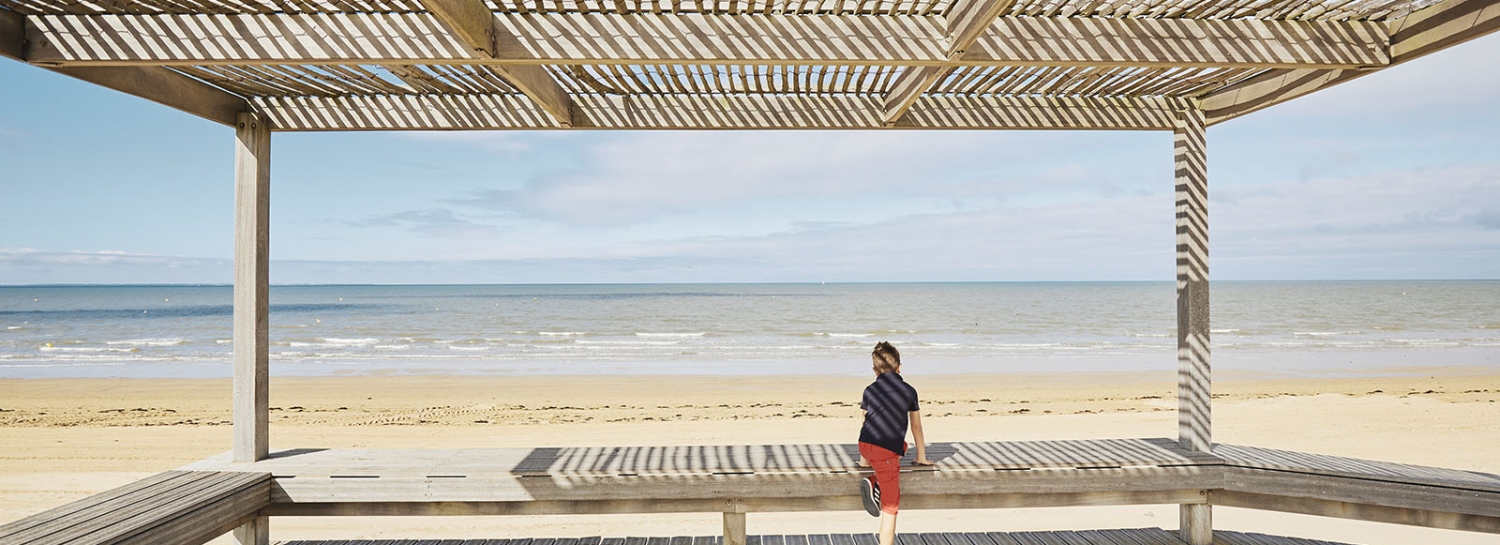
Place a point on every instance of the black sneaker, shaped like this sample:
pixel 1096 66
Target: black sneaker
pixel 869 492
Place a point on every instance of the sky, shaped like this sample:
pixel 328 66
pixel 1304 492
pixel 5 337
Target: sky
pixel 1395 175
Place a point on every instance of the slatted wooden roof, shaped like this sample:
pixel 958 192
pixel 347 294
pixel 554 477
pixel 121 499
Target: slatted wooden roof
pixel 728 64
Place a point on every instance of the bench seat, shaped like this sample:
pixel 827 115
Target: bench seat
pixel 171 508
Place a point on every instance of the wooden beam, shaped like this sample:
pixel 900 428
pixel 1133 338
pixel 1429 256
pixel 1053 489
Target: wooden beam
pixel 750 505
pixel 1369 489
pixel 1268 89
pixel 153 83
pixel 909 86
pixel 574 38
pixel 166 87
pixel 473 24
pixel 539 86
pixel 468 20
pixel 1357 511
pixel 1442 25
pixel 252 247
pixel 967 20
pixel 1421 33
pixel 12 35
pixel 498 112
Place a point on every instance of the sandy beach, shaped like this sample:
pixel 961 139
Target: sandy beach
pixel 68 438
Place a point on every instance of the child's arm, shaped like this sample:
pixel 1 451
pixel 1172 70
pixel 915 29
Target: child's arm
pixel 862 461
pixel 916 435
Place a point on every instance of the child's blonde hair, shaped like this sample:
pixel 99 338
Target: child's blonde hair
pixel 887 359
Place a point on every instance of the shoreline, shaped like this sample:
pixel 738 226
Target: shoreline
pixel 1228 362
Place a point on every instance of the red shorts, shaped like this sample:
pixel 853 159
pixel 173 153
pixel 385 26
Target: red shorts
pixel 887 467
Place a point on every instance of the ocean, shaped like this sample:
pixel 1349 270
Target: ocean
pixel 1282 327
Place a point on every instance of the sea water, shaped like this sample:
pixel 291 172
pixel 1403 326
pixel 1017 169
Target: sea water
pixel 1291 327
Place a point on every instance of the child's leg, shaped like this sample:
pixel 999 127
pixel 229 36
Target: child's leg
pixel 887 466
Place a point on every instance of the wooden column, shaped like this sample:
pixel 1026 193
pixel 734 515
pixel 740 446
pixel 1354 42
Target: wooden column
pixel 252 242
pixel 252 281
pixel 1194 378
pixel 735 524
pixel 255 532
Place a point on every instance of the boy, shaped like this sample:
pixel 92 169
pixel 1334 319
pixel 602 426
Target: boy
pixel 889 404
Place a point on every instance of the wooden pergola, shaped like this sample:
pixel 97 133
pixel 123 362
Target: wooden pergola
pixel 263 66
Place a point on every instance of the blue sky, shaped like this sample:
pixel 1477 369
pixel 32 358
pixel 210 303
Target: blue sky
pixel 1395 175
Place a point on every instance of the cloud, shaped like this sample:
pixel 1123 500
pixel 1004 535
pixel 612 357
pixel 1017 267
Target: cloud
pixel 634 179
pixel 1487 218
pixel 31 266
pixel 1402 201
pixel 505 143
pixel 436 222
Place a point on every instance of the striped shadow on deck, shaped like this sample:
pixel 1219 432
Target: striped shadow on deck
pixel 1138 536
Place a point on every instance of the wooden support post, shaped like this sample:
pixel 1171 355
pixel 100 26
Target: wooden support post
pixel 1194 379
pixel 252 243
pixel 255 532
pixel 734 528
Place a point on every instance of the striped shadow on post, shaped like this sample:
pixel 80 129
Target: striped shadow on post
pixel 1194 378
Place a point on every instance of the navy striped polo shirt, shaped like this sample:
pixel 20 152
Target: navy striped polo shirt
pixel 887 403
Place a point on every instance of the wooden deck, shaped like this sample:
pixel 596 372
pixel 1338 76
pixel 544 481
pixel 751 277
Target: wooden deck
pixel 1139 536
pixel 770 478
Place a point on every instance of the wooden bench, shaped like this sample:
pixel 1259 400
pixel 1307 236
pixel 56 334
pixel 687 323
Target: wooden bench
pixel 1316 484
pixel 737 480
pixel 190 506
pixel 172 508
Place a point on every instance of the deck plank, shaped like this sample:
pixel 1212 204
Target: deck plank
pixel 93 506
pixel 138 511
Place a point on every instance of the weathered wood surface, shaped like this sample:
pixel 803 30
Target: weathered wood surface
pixel 968 20
pixel 471 22
pixel 1356 500
pixel 252 287
pixel 1431 29
pixel 698 478
pixel 172 508
pixel 715 460
pixel 153 83
pixel 1194 374
pixel 1296 10
pixel 762 478
pixel 1321 464
pixel 759 64
pixel 1138 536
pixel 726 111
pixel 645 38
